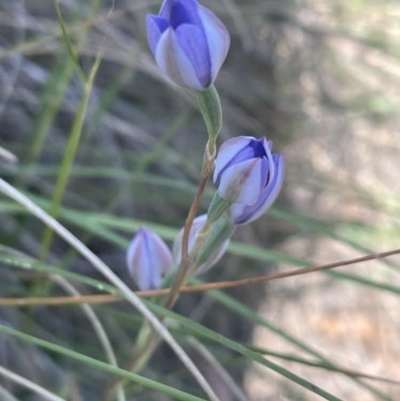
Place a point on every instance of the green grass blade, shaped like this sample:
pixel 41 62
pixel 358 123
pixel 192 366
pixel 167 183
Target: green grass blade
pixel 68 43
pixel 68 159
pixel 40 267
pixel 148 383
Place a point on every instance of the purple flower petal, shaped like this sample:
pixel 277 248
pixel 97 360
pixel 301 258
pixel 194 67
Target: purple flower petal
pixel 174 63
pixel 228 151
pixel 217 38
pixel 214 258
pixel 242 214
pixel 155 27
pixel 148 258
pixel 198 223
pixel 241 182
pixel 192 41
pixel 166 7
pixel 202 38
pixel 184 12
pixel 254 149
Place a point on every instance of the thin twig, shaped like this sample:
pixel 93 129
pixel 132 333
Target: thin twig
pixel 105 298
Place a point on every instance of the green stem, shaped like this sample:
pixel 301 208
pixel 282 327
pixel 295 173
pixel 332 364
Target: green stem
pixel 183 269
pixel 68 44
pixel 68 159
pixel 210 107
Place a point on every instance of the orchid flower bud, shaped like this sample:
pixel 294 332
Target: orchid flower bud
pixel 148 259
pixel 249 175
pixel 188 42
pixel 198 224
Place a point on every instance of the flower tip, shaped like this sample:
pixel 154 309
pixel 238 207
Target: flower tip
pixel 148 259
pixel 188 42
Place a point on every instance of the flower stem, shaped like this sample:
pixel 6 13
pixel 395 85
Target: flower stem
pixel 210 107
pixel 181 276
pixel 148 339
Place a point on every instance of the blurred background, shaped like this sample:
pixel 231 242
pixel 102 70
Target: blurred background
pixel 321 79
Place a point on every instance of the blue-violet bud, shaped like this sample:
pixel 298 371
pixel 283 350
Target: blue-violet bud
pixel 188 42
pixel 249 175
pixel 148 259
pixel 198 223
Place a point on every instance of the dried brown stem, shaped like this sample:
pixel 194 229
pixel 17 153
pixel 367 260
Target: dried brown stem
pixel 92 299
pixel 181 276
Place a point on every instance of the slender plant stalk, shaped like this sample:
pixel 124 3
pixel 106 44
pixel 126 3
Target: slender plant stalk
pixel 210 107
pixel 211 110
pixel 68 44
pixel 69 157
pixel 181 275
